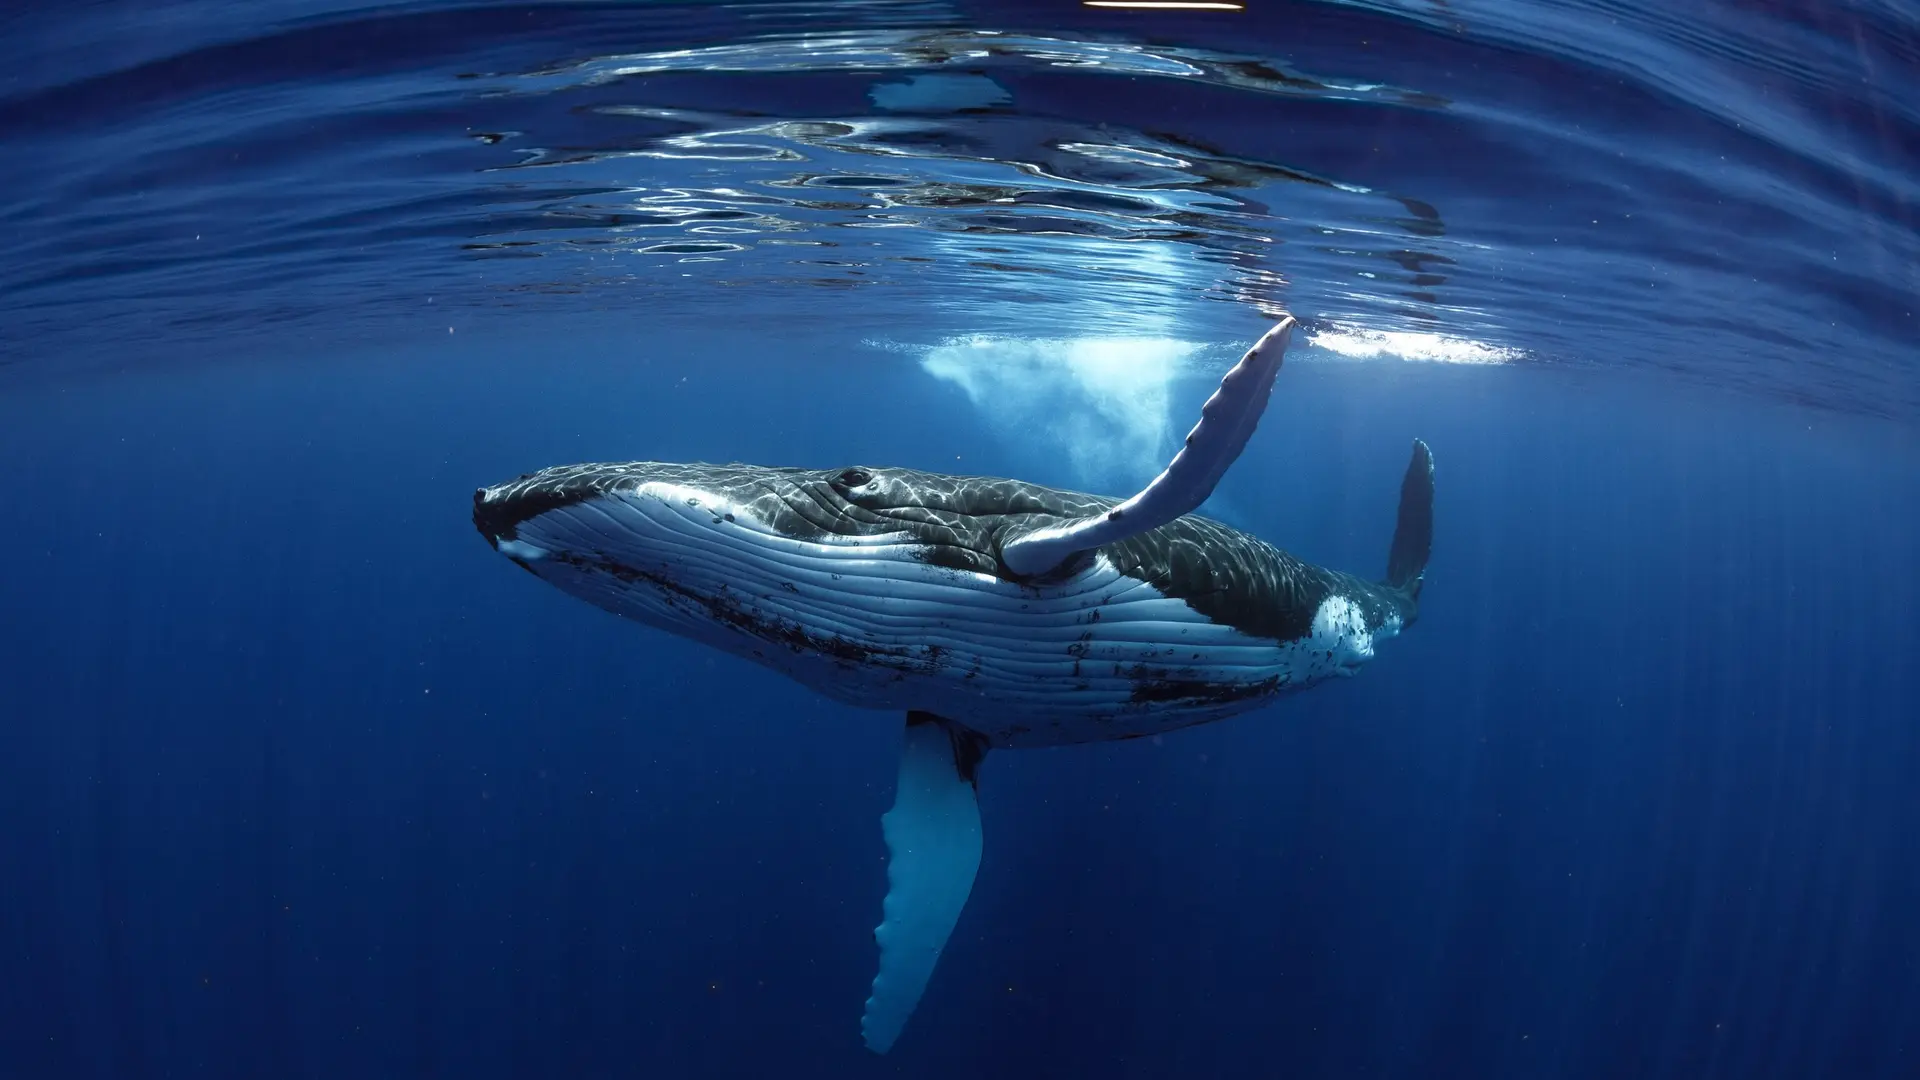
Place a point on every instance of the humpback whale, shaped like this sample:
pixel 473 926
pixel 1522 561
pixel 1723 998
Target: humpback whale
pixel 988 613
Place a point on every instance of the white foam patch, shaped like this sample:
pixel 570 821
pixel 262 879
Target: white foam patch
pixel 1358 343
pixel 1103 404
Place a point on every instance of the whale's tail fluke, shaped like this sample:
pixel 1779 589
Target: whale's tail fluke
pixel 1413 533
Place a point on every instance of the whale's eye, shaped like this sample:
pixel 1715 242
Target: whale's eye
pixel 854 478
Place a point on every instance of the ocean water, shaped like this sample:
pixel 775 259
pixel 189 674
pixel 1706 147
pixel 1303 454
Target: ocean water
pixel 299 779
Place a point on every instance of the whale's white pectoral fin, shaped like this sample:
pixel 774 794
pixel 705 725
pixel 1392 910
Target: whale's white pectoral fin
pixel 1226 422
pixel 933 850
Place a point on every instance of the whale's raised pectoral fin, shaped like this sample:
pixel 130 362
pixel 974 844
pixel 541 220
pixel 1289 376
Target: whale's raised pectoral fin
pixel 933 849
pixel 1226 422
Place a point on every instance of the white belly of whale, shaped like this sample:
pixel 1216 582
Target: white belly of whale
pixel 867 621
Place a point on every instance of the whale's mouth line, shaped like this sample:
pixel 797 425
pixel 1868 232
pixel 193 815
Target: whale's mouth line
pixel 735 610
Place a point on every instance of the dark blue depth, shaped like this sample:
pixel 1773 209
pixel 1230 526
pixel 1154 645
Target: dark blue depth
pixel 304 781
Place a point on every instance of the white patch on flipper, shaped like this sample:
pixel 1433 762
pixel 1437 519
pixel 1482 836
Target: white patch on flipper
pixel 933 852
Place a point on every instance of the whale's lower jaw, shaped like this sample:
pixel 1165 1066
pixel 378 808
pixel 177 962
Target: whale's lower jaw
pixel 869 622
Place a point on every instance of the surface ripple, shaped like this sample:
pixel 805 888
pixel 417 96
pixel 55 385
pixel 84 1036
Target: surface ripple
pixel 1726 195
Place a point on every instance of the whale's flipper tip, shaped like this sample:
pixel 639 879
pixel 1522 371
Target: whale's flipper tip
pixel 933 851
pixel 1413 532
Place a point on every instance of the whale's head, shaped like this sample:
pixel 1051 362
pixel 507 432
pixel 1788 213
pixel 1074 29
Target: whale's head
pixel 650 511
pixel 708 551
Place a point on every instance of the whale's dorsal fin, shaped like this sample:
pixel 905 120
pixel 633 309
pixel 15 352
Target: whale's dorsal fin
pixel 933 851
pixel 1226 421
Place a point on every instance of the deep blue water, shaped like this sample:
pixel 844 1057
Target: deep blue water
pixel 299 779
